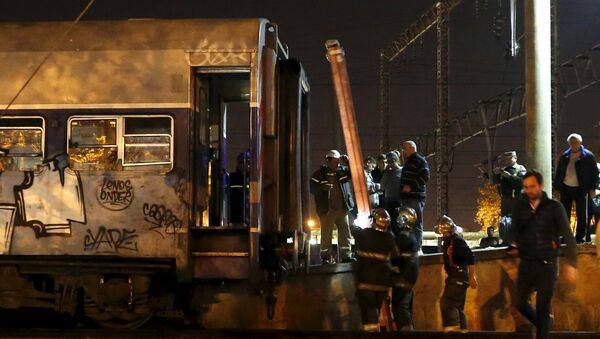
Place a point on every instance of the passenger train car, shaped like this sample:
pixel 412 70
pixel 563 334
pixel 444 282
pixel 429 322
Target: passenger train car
pixel 118 143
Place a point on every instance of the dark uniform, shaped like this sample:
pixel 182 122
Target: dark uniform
pixel 332 206
pixel 537 232
pixel 509 188
pixel 457 257
pixel 373 251
pixel 415 174
pixel 406 271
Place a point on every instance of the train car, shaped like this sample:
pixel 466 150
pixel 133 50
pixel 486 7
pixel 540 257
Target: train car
pixel 140 156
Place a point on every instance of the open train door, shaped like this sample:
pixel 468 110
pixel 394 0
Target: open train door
pixel 294 156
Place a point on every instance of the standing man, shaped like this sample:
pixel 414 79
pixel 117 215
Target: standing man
pixel 576 180
pixel 330 185
pixel 539 223
pixel 372 187
pixel 509 178
pixel 415 175
pixel 405 269
pixel 374 247
pixel 377 173
pixel 390 187
pixel 459 264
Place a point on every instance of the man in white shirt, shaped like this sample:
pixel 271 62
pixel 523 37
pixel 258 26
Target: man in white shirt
pixel 576 180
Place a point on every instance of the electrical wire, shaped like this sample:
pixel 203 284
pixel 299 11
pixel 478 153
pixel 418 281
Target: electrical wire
pixel 47 56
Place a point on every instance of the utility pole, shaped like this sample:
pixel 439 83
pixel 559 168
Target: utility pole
pixel 442 150
pixel 538 88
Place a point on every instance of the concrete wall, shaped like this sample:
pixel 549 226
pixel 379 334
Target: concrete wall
pixel 325 298
pixel 489 307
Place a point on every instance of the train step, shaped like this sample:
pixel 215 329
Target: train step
pixel 221 252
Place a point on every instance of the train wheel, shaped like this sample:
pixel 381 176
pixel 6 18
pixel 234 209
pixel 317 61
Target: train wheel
pixel 118 302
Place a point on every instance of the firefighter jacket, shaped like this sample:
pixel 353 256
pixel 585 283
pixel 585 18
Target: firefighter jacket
pixel 457 257
pixel 341 179
pixel 374 250
pixel 406 261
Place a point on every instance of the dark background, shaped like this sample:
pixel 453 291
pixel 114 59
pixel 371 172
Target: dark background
pixel 478 67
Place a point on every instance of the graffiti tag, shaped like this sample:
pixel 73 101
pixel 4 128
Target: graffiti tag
pixel 161 217
pixel 114 194
pixel 110 240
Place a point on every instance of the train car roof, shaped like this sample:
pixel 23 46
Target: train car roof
pixel 127 63
pixel 134 34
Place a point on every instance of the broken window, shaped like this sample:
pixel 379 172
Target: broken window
pixel 21 143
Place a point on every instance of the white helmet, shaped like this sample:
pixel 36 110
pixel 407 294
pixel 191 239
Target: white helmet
pixel 333 154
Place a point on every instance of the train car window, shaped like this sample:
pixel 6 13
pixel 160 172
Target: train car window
pixel 121 143
pixel 147 142
pixel 21 143
pixel 93 144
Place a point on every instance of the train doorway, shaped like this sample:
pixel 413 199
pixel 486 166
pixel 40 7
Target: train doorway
pixel 222 158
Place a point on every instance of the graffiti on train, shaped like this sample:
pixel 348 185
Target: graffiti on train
pixel 115 194
pixel 48 199
pixel 110 240
pixel 161 219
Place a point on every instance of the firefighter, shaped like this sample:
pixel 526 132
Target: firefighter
pixel 459 264
pixel 331 187
pixel 405 267
pixel 374 247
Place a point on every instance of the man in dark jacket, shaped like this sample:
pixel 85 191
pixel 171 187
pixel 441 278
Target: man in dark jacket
pixel 538 225
pixel 576 180
pixel 330 185
pixel 377 173
pixel 405 267
pixel 509 178
pixel 415 175
pixel 374 247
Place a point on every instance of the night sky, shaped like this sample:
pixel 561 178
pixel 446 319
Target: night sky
pixel 478 69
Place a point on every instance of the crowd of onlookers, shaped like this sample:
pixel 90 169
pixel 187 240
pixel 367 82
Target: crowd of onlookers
pixel 394 179
pixel 533 225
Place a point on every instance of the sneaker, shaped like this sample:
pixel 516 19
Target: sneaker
pixel 325 261
pixel 349 260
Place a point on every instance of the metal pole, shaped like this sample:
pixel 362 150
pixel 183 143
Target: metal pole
pixel 538 89
pixel 442 150
pixel 384 103
pixel 555 95
pixel 341 82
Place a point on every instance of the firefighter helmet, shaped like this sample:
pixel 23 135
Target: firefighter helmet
pixel 445 225
pixel 407 217
pixel 381 219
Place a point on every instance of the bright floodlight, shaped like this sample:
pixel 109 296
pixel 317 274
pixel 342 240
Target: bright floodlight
pixel 363 220
pixel 310 223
